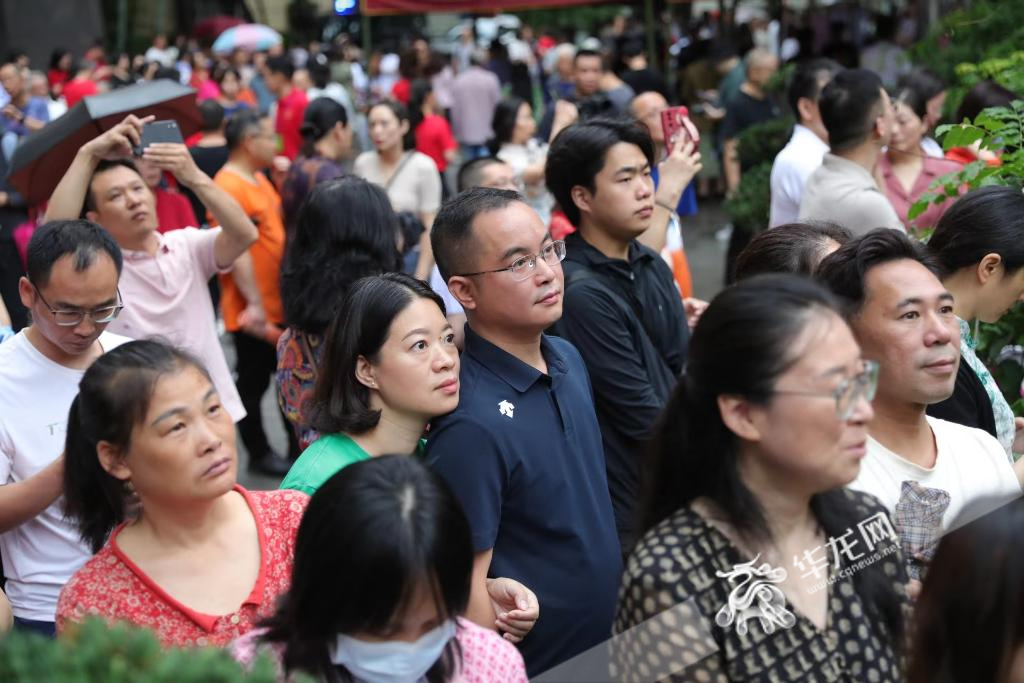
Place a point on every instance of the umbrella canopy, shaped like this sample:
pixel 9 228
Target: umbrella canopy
pixel 42 158
pixel 211 27
pixel 254 37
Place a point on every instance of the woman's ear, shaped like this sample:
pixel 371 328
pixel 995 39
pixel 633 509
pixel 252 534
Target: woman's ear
pixel 365 373
pixel 736 413
pixel 989 267
pixel 113 460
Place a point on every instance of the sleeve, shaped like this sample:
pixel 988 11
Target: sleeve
pixel 429 199
pixel 202 246
pixel 469 460
pixel 594 323
pixel 731 123
pixel 661 633
pixel 38 110
pixel 449 139
pixel 6 455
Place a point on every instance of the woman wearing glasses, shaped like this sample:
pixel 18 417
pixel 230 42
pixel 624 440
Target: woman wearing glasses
pixel 390 366
pixel 750 536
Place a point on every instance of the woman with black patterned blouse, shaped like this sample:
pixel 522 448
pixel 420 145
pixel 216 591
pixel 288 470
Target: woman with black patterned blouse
pixel 757 565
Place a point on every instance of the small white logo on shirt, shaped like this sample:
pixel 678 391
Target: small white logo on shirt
pixel 506 408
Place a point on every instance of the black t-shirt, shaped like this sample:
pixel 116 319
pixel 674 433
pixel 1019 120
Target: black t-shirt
pixel 969 405
pixel 209 160
pixel 745 111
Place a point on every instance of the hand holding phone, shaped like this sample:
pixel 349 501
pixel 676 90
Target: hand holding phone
pixel 675 122
pixel 158 131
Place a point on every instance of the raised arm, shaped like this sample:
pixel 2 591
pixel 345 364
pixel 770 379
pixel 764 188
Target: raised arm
pixel 674 173
pixel 237 232
pixel 68 198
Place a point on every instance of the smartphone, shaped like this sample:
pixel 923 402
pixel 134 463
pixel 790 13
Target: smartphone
pixel 158 131
pixel 675 121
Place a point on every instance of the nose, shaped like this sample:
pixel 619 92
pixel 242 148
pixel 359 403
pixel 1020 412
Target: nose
pixel 206 436
pixel 646 188
pixel 86 327
pixel 940 330
pixel 863 412
pixel 445 358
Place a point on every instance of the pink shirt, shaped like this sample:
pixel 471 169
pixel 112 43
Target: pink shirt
pixel 486 656
pixel 165 295
pixel 901 200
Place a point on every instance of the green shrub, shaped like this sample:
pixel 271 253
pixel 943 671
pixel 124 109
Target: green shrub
pixel 96 653
pixel 757 147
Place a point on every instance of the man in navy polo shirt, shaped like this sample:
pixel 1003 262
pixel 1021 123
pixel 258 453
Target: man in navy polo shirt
pixel 522 452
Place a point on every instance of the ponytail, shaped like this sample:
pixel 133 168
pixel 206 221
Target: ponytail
pixel 321 116
pixel 93 499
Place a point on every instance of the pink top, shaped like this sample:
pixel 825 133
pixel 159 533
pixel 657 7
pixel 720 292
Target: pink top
pixel 111 586
pixel 901 200
pixel 165 295
pixel 486 656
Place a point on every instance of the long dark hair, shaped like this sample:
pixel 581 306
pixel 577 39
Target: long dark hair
pixel 341 403
pixel 741 346
pixel 369 536
pixel 988 220
pixel 321 116
pixel 970 615
pixel 113 397
pixel 418 93
pixel 504 121
pixel 346 230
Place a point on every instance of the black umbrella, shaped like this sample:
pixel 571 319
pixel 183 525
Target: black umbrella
pixel 42 158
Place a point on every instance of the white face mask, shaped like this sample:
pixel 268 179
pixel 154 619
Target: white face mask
pixel 392 661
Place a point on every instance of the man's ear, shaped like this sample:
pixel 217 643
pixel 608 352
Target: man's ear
pixel 736 413
pixel 582 198
pixel 113 461
pixel 464 291
pixel 805 109
pixel 27 292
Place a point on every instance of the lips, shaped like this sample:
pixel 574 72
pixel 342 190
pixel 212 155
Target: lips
pixel 646 212
pixel 449 386
pixel 944 364
pixel 549 298
pixel 218 467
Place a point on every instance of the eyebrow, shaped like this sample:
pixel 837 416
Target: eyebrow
pixel 632 169
pixel 59 305
pixel 181 409
pixel 917 301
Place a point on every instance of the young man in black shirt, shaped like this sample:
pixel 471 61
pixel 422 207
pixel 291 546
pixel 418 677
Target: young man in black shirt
pixel 622 308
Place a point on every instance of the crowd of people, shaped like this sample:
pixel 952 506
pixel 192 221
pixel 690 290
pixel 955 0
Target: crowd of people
pixel 513 431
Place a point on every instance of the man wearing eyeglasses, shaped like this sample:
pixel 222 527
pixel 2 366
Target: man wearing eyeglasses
pixel 925 470
pixel 522 452
pixel 71 292
pixel 622 308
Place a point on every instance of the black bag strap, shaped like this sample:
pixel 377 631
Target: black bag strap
pixel 405 159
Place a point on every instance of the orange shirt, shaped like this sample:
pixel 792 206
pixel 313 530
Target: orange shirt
pixel 262 205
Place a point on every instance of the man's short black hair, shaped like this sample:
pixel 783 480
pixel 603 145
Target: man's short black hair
pixel 577 155
pixel 471 173
pixel 451 235
pixel 806 79
pixel 242 123
pixel 212 114
pixel 102 167
pixel 587 53
pixel 281 65
pixel 849 105
pixel 845 270
pixel 79 238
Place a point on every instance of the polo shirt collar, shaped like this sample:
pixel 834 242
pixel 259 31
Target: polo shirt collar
pixel 805 137
pixel 849 168
pixel 510 369
pixel 584 252
pixel 162 247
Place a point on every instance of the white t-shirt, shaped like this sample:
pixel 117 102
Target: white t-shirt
pixel 970 465
pixel 35 397
pixel 790 171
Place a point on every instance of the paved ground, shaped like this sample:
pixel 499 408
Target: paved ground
pixel 707 261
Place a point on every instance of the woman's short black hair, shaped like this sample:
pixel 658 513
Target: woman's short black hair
pixel 370 537
pixel 341 403
pixel 988 220
pixel 741 346
pixel 578 152
pixel 113 398
pixel 914 100
pixel 970 615
pixel 504 121
pixel 795 248
pixel 346 230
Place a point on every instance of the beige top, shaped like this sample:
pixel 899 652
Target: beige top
pixel 843 192
pixel 415 187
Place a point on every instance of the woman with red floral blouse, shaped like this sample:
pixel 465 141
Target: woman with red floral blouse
pixel 150 466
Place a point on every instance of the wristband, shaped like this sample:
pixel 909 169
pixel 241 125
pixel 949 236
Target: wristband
pixel 670 209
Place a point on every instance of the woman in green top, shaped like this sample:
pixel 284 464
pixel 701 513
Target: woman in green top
pixel 389 366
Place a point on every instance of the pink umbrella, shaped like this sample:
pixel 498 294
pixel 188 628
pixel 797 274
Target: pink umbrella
pixel 255 37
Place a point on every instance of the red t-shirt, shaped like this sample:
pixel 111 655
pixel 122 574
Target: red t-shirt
pixel 433 138
pixel 114 588
pixel 402 90
pixel 290 110
pixel 77 89
pixel 173 211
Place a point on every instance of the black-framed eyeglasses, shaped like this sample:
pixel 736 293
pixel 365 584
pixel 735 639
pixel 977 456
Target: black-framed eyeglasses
pixel 523 267
pixel 72 318
pixel 862 385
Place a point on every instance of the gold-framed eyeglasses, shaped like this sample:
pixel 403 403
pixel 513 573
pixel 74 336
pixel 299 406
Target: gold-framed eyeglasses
pixel 851 390
pixel 74 317
pixel 524 266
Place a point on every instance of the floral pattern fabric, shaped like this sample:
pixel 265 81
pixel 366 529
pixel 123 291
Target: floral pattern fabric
pixel 298 357
pixel 1001 411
